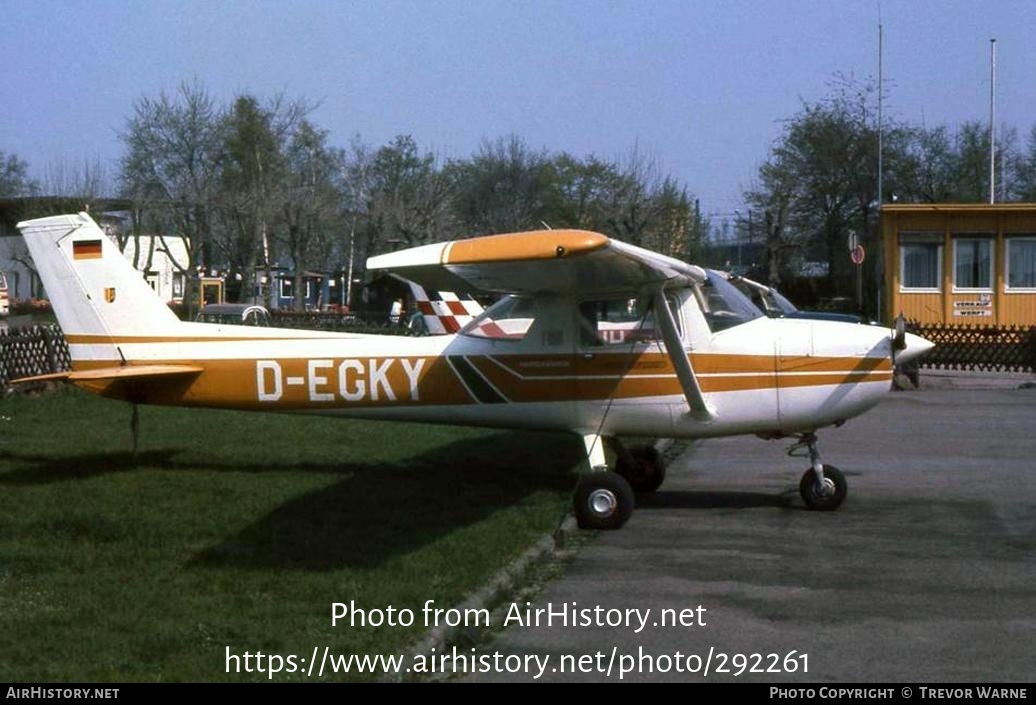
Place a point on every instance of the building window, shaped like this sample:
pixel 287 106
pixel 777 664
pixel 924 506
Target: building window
pixel 287 288
pixel 973 262
pixel 1021 262
pixel 920 257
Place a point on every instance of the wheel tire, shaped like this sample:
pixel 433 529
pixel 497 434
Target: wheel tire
pixel 647 473
pixel 603 500
pixel 834 479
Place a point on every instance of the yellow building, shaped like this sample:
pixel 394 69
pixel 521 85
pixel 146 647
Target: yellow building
pixel 960 263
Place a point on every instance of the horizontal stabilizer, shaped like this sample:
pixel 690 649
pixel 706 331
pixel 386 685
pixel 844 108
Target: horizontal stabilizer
pixel 115 373
pixel 52 377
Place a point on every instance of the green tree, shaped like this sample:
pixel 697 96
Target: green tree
pixel 630 201
pixel 819 184
pixel 580 189
pixel 254 165
pixel 945 167
pixel 1023 172
pixel 14 177
pixel 407 197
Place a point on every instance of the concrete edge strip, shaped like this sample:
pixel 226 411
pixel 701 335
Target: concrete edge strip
pixel 503 582
pixel 490 594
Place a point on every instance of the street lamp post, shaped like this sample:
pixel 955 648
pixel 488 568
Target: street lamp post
pixel 737 234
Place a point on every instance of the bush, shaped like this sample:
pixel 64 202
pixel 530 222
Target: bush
pixel 24 307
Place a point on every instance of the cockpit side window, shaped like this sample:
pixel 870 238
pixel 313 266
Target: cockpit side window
pixel 616 321
pixel 621 320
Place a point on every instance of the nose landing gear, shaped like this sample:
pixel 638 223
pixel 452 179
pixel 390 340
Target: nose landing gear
pixel 823 487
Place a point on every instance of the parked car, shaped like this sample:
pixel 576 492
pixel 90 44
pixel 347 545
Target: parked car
pixel 776 305
pixel 234 314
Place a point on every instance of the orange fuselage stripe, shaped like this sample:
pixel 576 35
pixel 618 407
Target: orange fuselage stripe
pixel 381 381
pixel 75 339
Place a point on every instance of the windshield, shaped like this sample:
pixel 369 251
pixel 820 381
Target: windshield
pixel 723 304
pixel 782 303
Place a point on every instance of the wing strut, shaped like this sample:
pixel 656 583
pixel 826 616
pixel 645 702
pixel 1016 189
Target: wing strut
pixel 681 361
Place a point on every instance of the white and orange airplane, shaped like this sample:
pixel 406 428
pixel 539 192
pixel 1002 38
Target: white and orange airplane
pixel 594 336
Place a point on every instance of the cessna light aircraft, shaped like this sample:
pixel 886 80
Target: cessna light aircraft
pixel 595 336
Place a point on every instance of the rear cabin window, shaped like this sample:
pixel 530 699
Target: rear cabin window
pixel 510 318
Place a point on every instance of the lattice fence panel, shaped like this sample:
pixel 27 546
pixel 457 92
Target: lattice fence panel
pixel 977 347
pixel 32 350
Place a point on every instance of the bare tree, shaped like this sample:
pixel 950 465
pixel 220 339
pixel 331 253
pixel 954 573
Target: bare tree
pixel 174 150
pixel 631 208
pixel 502 188
pixel 311 201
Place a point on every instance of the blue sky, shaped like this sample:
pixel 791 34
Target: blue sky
pixel 701 86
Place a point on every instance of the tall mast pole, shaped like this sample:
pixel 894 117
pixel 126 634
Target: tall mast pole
pixel 992 120
pixel 881 98
pixel 879 263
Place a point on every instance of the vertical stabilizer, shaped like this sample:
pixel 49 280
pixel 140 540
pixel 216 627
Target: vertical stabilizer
pixel 94 290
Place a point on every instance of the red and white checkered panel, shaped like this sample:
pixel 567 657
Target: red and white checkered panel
pixel 444 312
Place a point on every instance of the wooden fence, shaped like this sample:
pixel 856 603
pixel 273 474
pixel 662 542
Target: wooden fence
pixel 32 350
pixel 41 349
pixel 978 347
pixel 356 322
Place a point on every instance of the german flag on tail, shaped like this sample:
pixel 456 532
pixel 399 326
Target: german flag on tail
pixel 86 249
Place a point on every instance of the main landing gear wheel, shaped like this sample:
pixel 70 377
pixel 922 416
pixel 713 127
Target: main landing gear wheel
pixel 646 472
pixel 826 496
pixel 603 500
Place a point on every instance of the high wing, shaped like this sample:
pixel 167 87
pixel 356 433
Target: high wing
pixel 575 262
pixel 543 261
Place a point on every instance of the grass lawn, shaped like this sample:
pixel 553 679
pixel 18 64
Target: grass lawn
pixel 240 530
